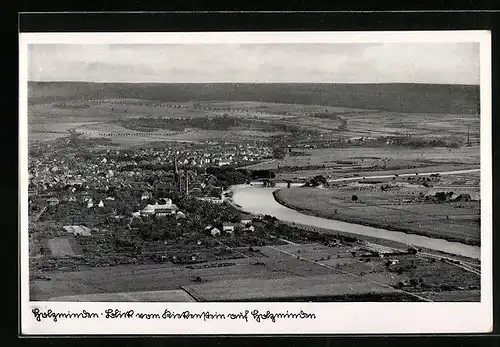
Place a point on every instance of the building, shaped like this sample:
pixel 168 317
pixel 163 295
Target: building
pixel 53 201
pixel 150 210
pixel 162 212
pixel 250 228
pixel 246 220
pixel 211 199
pixel 228 227
pixel 146 196
pixel 180 214
pixel 215 232
pixel 165 201
pixel 78 230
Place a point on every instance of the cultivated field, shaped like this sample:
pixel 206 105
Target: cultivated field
pixel 300 272
pixel 398 208
pixel 334 288
pixel 328 110
pixel 150 296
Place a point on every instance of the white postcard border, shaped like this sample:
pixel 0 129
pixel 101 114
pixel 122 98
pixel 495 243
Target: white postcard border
pixel 341 318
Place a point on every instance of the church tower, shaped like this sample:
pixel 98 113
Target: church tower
pixel 176 172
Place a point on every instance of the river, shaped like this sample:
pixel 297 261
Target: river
pixel 259 200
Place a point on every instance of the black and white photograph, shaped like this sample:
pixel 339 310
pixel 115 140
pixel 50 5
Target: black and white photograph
pixel 257 169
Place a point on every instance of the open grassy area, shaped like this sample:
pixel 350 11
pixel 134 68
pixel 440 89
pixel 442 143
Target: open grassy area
pixel 385 209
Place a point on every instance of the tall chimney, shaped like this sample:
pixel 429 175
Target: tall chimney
pixel 468 135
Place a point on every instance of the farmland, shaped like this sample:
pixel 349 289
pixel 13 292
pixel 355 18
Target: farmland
pixel 93 143
pixel 265 113
pixel 300 272
pixel 396 204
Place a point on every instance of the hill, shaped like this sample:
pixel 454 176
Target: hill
pixel 409 98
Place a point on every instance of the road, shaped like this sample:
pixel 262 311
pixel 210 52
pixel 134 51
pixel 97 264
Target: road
pixel 37 217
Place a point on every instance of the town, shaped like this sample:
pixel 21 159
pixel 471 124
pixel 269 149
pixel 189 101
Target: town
pixel 136 199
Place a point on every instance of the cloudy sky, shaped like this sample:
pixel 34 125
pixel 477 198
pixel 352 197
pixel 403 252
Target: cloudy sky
pixel 448 63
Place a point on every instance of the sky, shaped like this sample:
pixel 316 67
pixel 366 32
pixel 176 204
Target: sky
pixel 442 63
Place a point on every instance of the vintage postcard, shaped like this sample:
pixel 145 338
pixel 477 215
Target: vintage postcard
pixel 270 183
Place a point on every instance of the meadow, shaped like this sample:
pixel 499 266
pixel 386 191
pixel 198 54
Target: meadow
pixel 398 209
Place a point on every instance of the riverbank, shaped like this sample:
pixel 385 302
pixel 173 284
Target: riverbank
pixel 361 217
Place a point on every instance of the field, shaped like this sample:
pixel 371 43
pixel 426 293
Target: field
pixel 401 207
pixel 332 112
pixel 339 163
pixel 333 287
pixel 297 272
pixel 150 296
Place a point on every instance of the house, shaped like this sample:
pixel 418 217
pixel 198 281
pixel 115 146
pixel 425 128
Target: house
pixel 146 196
pixel 250 228
pixel 180 214
pixel 53 201
pixel 245 221
pixel 215 232
pixel 228 227
pixel 101 204
pixel 150 210
pixel 78 230
pixel 210 199
pixel 90 203
pixel 75 183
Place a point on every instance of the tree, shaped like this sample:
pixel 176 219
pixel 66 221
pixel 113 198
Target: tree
pixel 354 197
